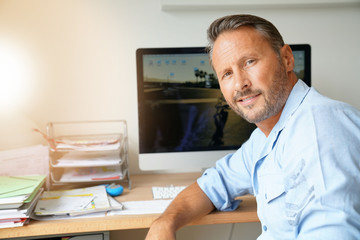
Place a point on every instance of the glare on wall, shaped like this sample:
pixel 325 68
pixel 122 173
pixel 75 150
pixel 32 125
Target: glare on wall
pixel 17 73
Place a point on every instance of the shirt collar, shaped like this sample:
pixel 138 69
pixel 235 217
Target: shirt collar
pixel 296 97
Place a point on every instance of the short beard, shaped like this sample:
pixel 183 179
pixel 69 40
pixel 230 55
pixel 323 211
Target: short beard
pixel 275 97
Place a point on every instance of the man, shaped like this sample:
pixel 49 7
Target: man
pixel 302 162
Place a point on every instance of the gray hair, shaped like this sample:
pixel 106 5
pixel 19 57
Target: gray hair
pixel 233 22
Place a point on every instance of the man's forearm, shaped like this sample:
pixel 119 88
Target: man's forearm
pixel 189 205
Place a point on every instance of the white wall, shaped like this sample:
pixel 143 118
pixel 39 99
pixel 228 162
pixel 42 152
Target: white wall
pixel 84 52
pixel 84 56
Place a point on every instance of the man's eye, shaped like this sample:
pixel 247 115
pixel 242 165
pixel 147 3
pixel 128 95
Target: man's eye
pixel 250 61
pixel 227 74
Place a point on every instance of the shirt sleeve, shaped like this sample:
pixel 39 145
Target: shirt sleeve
pixel 335 212
pixel 230 178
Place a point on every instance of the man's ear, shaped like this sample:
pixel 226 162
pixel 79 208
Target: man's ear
pixel 287 58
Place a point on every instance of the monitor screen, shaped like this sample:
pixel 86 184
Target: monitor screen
pixel 184 121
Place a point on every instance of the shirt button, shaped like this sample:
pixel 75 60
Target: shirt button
pixel 265 196
pixel 265 228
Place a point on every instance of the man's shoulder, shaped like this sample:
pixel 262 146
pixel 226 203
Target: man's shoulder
pixel 317 104
pixel 319 115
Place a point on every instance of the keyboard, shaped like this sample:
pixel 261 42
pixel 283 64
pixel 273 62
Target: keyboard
pixel 166 192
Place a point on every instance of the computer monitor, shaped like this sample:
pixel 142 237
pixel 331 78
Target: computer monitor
pixel 184 122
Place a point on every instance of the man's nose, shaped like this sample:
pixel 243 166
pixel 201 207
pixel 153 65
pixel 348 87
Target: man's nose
pixel 242 81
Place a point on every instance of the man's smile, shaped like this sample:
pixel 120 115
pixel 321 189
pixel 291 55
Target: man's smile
pixel 248 99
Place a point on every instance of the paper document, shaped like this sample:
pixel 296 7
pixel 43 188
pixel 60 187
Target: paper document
pixel 14 222
pixel 66 204
pixel 91 174
pixel 25 161
pixel 74 201
pixel 22 212
pixel 142 207
pixel 86 159
pixel 114 206
pixel 19 186
pixel 66 216
pixel 103 145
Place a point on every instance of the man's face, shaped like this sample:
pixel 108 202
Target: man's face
pixel 252 78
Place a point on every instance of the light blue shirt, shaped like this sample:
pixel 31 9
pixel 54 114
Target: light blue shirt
pixel 305 174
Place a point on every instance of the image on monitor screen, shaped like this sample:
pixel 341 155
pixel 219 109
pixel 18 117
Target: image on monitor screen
pixel 180 105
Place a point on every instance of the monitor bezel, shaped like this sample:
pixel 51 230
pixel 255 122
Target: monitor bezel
pixel 307 50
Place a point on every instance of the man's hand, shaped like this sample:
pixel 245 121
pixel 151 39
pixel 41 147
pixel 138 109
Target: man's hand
pixel 161 229
pixel 190 204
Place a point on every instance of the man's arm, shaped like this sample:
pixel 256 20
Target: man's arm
pixel 189 205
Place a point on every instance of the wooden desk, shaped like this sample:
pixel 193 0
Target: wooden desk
pixel 141 190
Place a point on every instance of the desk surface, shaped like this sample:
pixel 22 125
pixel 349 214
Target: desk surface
pixel 141 190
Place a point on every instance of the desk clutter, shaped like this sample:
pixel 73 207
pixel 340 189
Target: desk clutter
pixel 81 202
pixel 23 198
pixel 90 154
pixel 18 198
pixel 87 152
pixel 76 176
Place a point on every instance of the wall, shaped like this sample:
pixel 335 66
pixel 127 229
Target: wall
pixel 83 56
pixel 79 56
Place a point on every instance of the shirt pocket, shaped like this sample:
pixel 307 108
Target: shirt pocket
pixel 274 188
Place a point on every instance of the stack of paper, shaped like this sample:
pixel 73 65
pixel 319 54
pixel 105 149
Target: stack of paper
pixel 88 159
pixel 102 144
pixel 18 197
pixel 73 202
pixel 91 174
pixel 33 160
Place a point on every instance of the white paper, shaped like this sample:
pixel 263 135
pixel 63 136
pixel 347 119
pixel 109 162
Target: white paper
pixel 91 174
pixel 11 224
pixel 64 205
pixel 25 161
pixel 115 205
pixel 63 217
pixel 22 212
pixel 73 201
pixel 142 207
pixel 85 159
pixel 94 147
pixel 13 200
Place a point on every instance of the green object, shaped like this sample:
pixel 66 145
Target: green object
pixel 13 186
